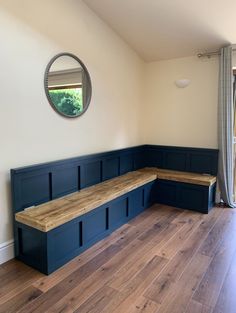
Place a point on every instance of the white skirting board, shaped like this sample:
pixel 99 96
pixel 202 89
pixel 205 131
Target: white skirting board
pixel 6 251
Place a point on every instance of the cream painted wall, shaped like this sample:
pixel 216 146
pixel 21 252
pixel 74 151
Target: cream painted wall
pixel 181 117
pixel 30 130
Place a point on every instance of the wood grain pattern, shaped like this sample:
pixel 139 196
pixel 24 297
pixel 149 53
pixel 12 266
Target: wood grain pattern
pixel 184 177
pixel 136 286
pixel 124 274
pixel 20 300
pixel 226 301
pixel 218 233
pixel 209 288
pixel 174 269
pixel 143 305
pixel 172 246
pixel 196 307
pixel 47 216
pixel 182 290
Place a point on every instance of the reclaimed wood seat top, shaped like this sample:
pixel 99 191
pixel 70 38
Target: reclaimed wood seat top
pixel 184 177
pixel 50 215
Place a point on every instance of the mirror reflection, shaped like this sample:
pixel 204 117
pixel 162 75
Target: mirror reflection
pixel 68 85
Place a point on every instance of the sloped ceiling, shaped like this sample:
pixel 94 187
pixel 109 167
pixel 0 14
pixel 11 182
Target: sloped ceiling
pixel 165 29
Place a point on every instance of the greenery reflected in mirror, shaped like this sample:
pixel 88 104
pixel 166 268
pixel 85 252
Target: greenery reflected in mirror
pixel 67 101
pixel 68 85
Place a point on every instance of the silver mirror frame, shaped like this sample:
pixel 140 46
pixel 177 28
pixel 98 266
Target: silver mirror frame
pixel 86 105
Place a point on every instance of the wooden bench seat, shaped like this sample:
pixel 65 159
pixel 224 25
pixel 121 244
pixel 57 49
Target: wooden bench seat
pixel 52 214
pixel 184 177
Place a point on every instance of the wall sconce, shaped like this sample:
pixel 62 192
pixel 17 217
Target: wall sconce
pixel 182 83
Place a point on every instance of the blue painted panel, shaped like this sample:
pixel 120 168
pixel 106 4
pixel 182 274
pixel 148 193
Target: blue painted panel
pixel 185 196
pixel 126 163
pixel 34 190
pixel 65 181
pixel 201 163
pixel 184 159
pixel 94 224
pixel 118 212
pixel 41 179
pixel 27 247
pixel 136 202
pixel 110 168
pixel 150 196
pixel 64 240
pixel 211 196
pixel 139 159
pixel 175 161
pixel 166 192
pixel 30 246
pixel 90 173
pixel 154 158
pixel 192 197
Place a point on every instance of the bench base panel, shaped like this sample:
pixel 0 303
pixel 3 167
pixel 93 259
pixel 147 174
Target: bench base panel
pixel 186 196
pixel 48 251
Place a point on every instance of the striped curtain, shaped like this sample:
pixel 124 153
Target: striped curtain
pixel 226 128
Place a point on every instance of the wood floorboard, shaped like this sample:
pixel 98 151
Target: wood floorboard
pixel 143 305
pixel 20 300
pixel 227 299
pixel 138 284
pixel 97 301
pixel 209 288
pixel 165 260
pixel 218 232
pixel 16 285
pixel 174 269
pixel 196 307
pixel 139 259
pixel 182 290
pixel 158 227
pixel 174 244
pixel 98 279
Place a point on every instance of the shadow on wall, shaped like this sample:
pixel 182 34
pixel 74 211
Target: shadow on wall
pixel 42 15
pixel 9 203
pixel 69 24
pixel 7 194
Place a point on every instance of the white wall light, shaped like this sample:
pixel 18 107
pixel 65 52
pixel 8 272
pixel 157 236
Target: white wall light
pixel 182 83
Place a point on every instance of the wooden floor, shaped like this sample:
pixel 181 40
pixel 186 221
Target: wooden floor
pixel 165 260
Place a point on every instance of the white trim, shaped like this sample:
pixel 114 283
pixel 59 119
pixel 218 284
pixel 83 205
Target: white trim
pixel 6 251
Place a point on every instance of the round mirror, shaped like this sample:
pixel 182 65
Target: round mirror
pixel 68 85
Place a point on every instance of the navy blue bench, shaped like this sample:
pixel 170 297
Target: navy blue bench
pixel 38 184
